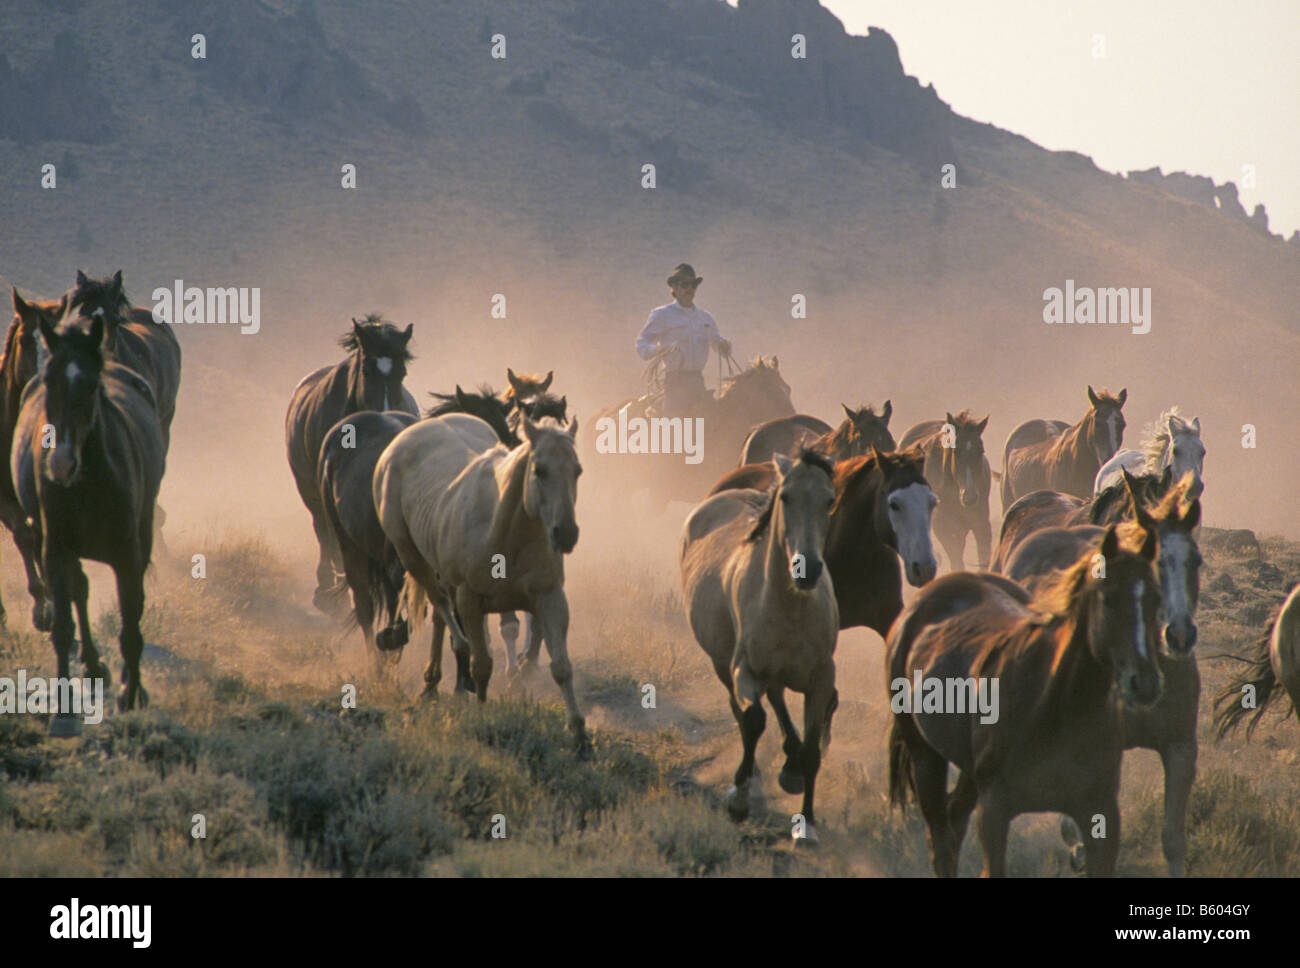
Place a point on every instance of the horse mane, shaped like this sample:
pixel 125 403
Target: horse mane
pixel 965 419
pixel 807 456
pixel 351 343
pixel 542 405
pixel 1158 437
pixel 448 401
pixel 1060 593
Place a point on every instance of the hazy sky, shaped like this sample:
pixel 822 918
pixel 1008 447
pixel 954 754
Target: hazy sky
pixel 1197 86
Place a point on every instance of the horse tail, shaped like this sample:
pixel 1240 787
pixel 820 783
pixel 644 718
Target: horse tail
pixel 1230 710
pixel 900 766
pixel 413 602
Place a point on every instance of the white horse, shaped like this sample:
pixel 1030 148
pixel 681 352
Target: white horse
pixel 483 530
pixel 1170 441
pixel 761 604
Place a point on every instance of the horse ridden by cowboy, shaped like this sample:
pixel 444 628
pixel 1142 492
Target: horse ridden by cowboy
pixel 688 331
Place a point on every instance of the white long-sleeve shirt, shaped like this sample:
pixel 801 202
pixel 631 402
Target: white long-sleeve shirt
pixel 693 330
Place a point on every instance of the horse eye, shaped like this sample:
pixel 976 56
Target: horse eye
pixel 893 505
pixel 540 471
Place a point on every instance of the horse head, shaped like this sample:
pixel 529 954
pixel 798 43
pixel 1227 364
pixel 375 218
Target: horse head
pixel 380 354
pixel 758 393
pixel 800 513
pixel 485 404
pixel 25 351
pixel 869 429
pixel 1173 520
pixel 71 379
pixel 1184 450
pixel 1120 602
pixel 904 505
pixel 1105 423
pixel 963 462
pixel 551 484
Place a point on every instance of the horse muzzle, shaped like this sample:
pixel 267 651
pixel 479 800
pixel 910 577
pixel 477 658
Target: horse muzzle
pixel 1180 637
pixel 564 537
pixel 812 574
pixel 921 572
pixel 63 466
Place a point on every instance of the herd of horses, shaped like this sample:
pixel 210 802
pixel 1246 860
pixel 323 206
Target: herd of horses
pixel 1083 610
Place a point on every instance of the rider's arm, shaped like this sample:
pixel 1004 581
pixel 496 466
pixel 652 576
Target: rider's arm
pixel 647 344
pixel 715 337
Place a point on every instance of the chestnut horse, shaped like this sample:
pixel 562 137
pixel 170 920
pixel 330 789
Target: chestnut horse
pixel 1054 739
pixel 1049 454
pixel 860 430
pixel 960 475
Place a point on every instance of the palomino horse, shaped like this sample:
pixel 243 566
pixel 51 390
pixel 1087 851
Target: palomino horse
pixel 1275 663
pixel 860 430
pixel 760 603
pixel 94 491
pixel 527 395
pixel 882 513
pixel 1048 454
pixel 756 394
pixel 370 378
pixel 1168 726
pixel 960 475
pixel 481 529
pixel 370 564
pixel 1054 738
pixel 1170 442
pixel 23 350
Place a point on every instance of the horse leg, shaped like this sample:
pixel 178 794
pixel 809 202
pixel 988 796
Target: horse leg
pixel 961 802
pixel 472 621
pixel 328 585
pixel 551 615
pixel 28 540
pixel 130 599
pixel 747 706
pixel 1179 761
pixel 791 778
pixel 954 546
pixel 510 635
pixel 1101 852
pixel 61 580
pixel 433 671
pixel 1073 837
pixel 983 531
pixel 930 779
pixel 994 824
pixel 533 641
pixel 819 706
pixel 95 669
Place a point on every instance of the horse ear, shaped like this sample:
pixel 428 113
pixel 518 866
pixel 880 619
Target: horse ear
pixel 81 278
pixel 1123 395
pixel 1092 398
pixel 545 384
pixel 573 429
pixel 513 380
pixel 564 404
pixel 1140 512
pixel 847 412
pixel 1150 545
pixel 776 365
pixel 48 332
pixel 1196 425
pixel 887 412
pixel 947 418
pixel 783 464
pixel 117 283
pixel 406 333
pixel 19 302
pixel 1110 543
pixel 460 395
pixel 983 423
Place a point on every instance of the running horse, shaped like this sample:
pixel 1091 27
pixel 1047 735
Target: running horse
pixel 1274 668
pixel 368 378
pixel 960 476
pixel 760 603
pixel 1171 443
pixel 858 432
pixel 94 491
pixel 1050 454
pixel 1065 662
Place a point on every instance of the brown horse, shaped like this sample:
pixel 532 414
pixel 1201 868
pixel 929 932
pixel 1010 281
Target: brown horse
pixel 756 394
pixel 882 513
pixel 1049 454
pixel 860 430
pixel 1274 667
pixel 1168 726
pixel 1036 510
pixel 94 491
pixel 369 378
pixel 960 475
pixel 23 349
pixel 1051 739
pixel 760 603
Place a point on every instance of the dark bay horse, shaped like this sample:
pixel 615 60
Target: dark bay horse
pixel 1049 454
pixel 960 476
pixel 860 430
pixel 93 491
pixel 369 378
pixel 1036 510
pixel 1169 725
pixel 760 604
pixel 883 505
pixel 1062 664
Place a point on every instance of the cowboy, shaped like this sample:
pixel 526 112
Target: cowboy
pixel 690 331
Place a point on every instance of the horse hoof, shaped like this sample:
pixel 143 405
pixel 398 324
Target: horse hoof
pixel 585 753
pixel 100 672
pixel 806 837
pixel 737 805
pixel 391 639
pixel 1078 859
pixel 65 725
pixel 429 694
pixel 791 781
pixel 43 618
